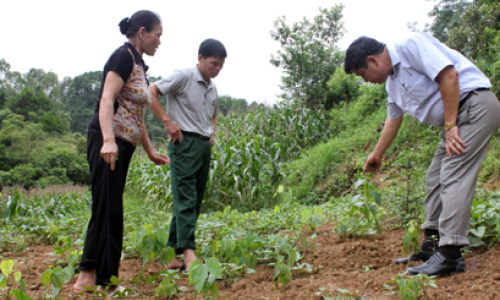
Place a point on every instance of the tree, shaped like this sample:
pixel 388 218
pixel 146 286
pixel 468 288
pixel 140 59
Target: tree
pixel 447 15
pixel 229 104
pixel 3 97
pixel 30 104
pixel 20 137
pixel 343 87
pixel 52 123
pixel 5 86
pixel 80 98
pixel 478 38
pixel 4 68
pixel 48 82
pixel 478 34
pixel 309 55
pixel 34 79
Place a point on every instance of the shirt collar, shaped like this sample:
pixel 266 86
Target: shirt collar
pixel 199 78
pixel 137 57
pixel 395 60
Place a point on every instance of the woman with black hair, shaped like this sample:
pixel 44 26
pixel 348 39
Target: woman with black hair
pixel 114 131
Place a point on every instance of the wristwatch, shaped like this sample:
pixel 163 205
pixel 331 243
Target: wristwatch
pixel 448 126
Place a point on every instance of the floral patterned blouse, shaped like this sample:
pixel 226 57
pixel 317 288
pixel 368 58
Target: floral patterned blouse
pixel 133 100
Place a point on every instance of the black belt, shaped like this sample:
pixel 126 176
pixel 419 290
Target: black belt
pixel 195 135
pixel 473 92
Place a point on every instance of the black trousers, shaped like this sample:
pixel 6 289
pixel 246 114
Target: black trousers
pixel 103 244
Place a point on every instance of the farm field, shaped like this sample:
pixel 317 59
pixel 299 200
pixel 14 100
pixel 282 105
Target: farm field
pixel 330 263
pixel 362 264
pixel 288 212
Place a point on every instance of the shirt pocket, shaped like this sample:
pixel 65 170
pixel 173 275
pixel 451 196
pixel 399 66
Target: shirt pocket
pixel 418 87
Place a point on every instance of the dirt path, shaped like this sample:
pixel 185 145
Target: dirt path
pixel 363 264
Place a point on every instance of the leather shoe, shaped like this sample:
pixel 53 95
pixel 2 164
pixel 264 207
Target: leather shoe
pixel 439 265
pixel 421 255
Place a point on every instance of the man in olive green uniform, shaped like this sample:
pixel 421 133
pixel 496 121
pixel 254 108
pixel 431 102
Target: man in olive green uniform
pixel 192 106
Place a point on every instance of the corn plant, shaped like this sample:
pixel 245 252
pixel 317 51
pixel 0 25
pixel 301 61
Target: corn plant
pixel 151 181
pixel 10 210
pixel 248 161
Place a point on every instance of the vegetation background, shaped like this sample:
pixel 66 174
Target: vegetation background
pixel 293 164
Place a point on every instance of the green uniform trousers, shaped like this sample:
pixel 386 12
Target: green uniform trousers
pixel 189 167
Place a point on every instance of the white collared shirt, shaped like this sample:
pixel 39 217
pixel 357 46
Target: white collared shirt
pixel 412 88
pixel 191 102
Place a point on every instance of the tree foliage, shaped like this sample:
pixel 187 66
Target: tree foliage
pixel 478 38
pixel 33 116
pixel 81 98
pixel 478 34
pixel 309 55
pixel 447 15
pixel 30 104
pixel 344 87
pixel 228 104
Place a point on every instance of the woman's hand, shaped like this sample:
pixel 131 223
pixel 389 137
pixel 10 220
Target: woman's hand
pixel 159 158
pixel 109 153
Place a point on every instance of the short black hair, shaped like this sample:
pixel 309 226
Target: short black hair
pixel 212 47
pixel 358 52
pixel 142 18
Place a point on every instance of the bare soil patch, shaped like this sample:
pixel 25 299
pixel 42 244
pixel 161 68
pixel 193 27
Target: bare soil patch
pixel 362 264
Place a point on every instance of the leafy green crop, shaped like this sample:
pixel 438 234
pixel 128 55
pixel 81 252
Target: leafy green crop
pixel 7 267
pixel 485 220
pixel 362 205
pixel 410 288
pixel 203 276
pixel 410 240
pixel 44 219
pixel 56 278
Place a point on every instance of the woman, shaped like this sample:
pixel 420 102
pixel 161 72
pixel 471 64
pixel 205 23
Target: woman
pixel 113 133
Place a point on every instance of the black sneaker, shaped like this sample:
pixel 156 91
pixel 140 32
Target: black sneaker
pixel 421 255
pixel 439 265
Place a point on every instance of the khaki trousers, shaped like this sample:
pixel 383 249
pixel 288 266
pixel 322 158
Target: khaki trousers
pixel 451 181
